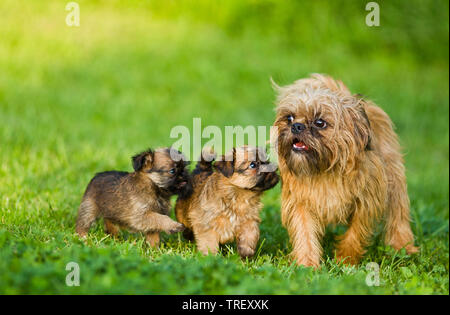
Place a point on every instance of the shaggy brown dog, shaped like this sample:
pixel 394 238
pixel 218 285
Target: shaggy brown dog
pixel 340 163
pixel 225 202
pixel 138 201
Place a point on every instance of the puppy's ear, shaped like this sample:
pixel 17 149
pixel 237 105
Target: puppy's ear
pixel 225 167
pixel 180 159
pixel 176 155
pixel 226 164
pixel 143 160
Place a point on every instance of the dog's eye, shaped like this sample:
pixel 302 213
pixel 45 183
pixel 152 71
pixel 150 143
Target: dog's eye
pixel 172 171
pixel 253 165
pixel 290 118
pixel 320 123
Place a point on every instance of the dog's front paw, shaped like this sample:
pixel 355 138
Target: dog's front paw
pixel 245 251
pixel 177 227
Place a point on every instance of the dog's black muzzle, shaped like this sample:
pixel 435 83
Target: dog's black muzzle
pixel 297 128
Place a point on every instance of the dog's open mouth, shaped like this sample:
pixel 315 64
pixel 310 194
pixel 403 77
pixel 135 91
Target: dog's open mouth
pixel 182 184
pixel 299 146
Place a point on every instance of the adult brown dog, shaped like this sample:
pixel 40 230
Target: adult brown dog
pixel 340 163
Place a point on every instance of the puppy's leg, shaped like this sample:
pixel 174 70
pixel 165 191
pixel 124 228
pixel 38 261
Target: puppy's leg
pixel 152 238
pixel 155 222
pixel 247 239
pixel 352 245
pixel 207 242
pixel 180 213
pixel 111 228
pixel 398 232
pixel 305 232
pixel 87 214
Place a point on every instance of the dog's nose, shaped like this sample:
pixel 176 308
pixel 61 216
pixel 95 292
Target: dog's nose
pixel 297 128
pixel 268 168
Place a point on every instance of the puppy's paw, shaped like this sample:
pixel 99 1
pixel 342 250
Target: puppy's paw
pixel 82 235
pixel 177 227
pixel 245 251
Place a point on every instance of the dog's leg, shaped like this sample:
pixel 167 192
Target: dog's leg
pixel 247 239
pixel 181 215
pixel 180 211
pixel 207 242
pixel 152 238
pixel 398 232
pixel 352 244
pixel 305 232
pixel 87 214
pixel 111 228
pixel 155 222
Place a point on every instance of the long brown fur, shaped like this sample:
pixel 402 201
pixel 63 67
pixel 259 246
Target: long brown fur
pixel 138 201
pixel 225 202
pixel 349 172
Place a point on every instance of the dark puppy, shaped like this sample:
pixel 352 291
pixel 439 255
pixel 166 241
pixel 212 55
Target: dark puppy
pixel 225 202
pixel 138 201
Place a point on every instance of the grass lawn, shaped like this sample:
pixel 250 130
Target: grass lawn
pixel 78 100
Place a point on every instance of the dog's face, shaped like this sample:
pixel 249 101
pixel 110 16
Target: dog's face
pixel 320 129
pixel 248 168
pixel 165 167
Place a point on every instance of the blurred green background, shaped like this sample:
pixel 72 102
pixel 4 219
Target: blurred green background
pixel 78 100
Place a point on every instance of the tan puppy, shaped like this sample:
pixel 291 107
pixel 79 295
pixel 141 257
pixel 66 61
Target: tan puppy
pixel 340 163
pixel 138 201
pixel 225 202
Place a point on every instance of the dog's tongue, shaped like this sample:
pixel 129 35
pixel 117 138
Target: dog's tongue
pixel 301 145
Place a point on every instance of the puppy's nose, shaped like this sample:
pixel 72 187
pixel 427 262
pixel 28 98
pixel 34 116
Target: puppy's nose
pixel 268 168
pixel 297 128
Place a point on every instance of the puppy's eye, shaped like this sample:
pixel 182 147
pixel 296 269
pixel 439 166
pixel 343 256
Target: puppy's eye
pixel 253 165
pixel 172 171
pixel 290 118
pixel 320 123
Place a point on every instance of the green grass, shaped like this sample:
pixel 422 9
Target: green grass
pixel 75 101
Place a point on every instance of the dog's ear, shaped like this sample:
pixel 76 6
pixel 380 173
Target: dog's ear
pixel 226 164
pixel 143 160
pixel 275 86
pixel 177 156
pixel 225 167
pixel 363 130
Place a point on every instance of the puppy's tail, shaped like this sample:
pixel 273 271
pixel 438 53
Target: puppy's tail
pixel 205 165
